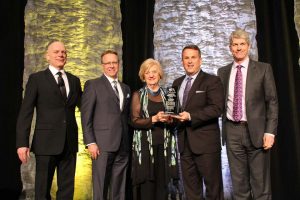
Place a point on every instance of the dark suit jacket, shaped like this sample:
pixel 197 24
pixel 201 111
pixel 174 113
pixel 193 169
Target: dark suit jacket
pixel 55 117
pixel 103 122
pixel 205 104
pixel 261 100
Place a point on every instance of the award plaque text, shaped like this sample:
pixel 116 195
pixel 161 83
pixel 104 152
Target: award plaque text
pixel 171 101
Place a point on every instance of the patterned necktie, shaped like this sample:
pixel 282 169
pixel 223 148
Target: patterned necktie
pixel 186 91
pixel 116 89
pixel 238 93
pixel 61 85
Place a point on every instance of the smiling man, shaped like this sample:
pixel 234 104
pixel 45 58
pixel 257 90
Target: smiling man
pixel 104 115
pixel 54 93
pixel 202 102
pixel 249 120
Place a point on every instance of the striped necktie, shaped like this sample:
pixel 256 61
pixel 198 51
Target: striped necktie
pixel 116 89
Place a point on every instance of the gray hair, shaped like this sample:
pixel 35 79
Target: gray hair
pixel 239 34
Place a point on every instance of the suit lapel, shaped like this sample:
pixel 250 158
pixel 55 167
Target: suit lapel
pixel 52 82
pixel 251 74
pixel 124 95
pixel 71 86
pixel 226 77
pixel 110 90
pixel 195 85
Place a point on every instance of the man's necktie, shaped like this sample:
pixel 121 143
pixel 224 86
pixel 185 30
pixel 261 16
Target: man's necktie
pixel 61 85
pixel 238 93
pixel 116 89
pixel 186 91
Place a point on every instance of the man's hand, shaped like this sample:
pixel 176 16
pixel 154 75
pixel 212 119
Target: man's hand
pixel 94 151
pixel 24 154
pixel 268 141
pixel 183 116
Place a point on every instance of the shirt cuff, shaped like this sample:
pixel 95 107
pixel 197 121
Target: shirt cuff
pixel 270 134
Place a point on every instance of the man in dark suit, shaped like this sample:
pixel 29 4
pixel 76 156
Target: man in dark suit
pixel 104 114
pixel 249 120
pixel 54 93
pixel 202 101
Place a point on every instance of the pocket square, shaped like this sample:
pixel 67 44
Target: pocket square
pixel 128 96
pixel 199 91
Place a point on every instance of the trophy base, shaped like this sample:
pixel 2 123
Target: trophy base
pixel 171 113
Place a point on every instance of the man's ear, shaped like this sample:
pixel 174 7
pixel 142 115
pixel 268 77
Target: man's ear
pixel 46 56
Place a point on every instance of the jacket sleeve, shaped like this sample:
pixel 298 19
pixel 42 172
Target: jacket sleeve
pixel 88 103
pixel 26 113
pixel 271 102
pixel 137 121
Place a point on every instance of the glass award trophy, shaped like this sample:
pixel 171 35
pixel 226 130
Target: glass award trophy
pixel 171 106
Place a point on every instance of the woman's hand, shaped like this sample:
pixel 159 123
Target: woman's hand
pixel 161 117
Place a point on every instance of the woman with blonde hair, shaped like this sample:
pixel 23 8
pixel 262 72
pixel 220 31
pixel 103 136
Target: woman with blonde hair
pixel 154 156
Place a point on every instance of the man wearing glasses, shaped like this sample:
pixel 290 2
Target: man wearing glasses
pixel 104 115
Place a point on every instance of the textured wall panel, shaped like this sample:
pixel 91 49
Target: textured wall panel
pixel 87 27
pixel 208 24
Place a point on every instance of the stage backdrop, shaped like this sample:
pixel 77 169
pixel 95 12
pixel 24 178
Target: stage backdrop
pixel 207 24
pixel 87 28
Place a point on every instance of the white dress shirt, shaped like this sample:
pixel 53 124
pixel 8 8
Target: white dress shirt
pixel 63 75
pixel 183 84
pixel 229 105
pixel 121 95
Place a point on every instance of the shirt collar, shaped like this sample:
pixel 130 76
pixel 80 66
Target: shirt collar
pixel 245 63
pixel 193 76
pixel 110 79
pixel 55 70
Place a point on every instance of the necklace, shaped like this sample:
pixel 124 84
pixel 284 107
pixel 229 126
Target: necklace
pixel 153 93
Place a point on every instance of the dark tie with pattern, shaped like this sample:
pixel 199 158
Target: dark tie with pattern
pixel 186 91
pixel 116 89
pixel 238 94
pixel 61 85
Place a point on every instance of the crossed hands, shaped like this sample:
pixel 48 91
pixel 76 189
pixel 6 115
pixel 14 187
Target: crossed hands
pixel 168 118
pixel 162 117
pixel 183 116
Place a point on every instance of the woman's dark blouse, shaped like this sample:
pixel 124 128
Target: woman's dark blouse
pixel 155 105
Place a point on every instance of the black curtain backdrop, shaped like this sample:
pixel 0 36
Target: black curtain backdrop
pixel 137 30
pixel 277 44
pixel 12 65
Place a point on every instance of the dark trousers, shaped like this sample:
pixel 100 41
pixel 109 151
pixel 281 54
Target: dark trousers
pixel 157 187
pixel 65 164
pixel 196 167
pixel 249 166
pixel 109 175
